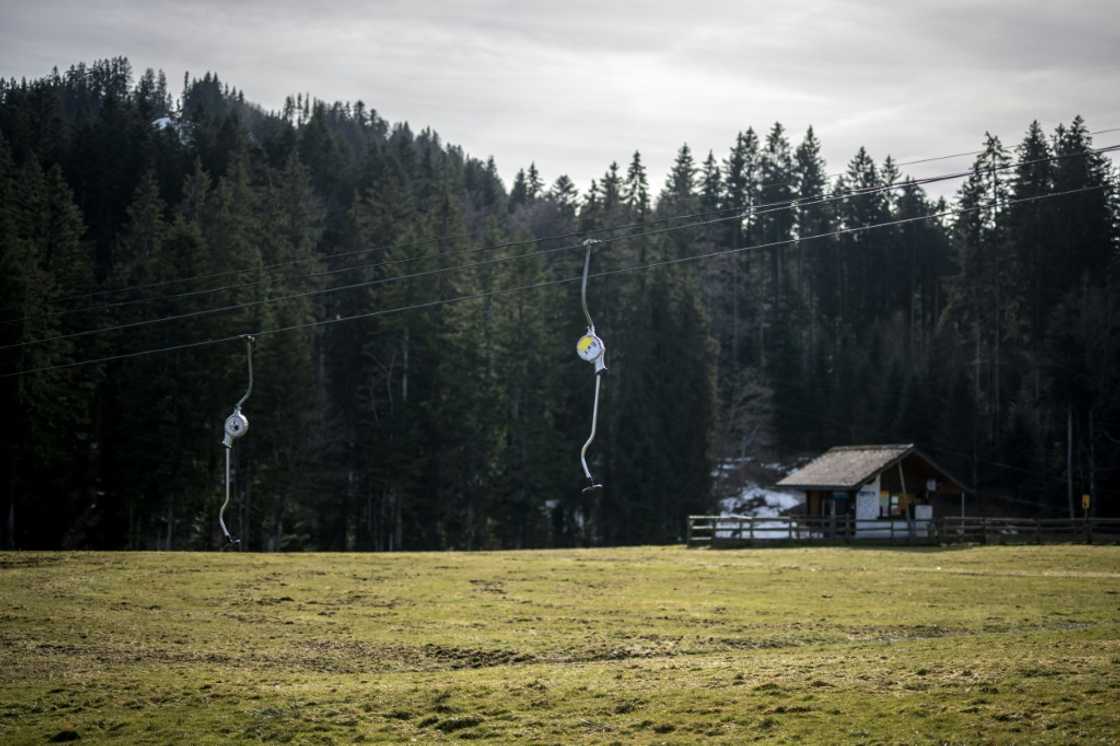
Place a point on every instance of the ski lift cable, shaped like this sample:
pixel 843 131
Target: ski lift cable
pixel 967 153
pixel 428 304
pixel 386 247
pixel 509 244
pixel 362 266
pixel 546 283
pixel 754 211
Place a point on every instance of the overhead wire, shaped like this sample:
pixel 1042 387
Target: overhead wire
pixel 544 283
pixel 386 247
pixel 756 211
pixel 967 153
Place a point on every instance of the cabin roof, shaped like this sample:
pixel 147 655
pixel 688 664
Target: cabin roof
pixel 847 467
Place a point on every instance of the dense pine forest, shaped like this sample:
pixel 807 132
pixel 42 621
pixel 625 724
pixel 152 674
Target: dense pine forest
pixel 827 309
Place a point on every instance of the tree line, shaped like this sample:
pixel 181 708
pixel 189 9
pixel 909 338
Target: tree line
pixel 988 336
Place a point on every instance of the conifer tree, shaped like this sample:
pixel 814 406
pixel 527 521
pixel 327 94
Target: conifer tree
pixel 1084 221
pixel 565 196
pixel 1028 226
pixel 635 190
pixel 711 184
pixel 534 186
pixel 39 237
pixel 679 198
pixel 741 174
pixel 778 188
pixel 612 188
pixel 817 258
pixel 519 192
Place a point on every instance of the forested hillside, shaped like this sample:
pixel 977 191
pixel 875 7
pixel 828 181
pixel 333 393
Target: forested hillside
pixel 753 305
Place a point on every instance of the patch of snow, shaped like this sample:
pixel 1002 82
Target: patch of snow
pixel 755 501
pixel 181 128
pixel 726 467
pixel 760 502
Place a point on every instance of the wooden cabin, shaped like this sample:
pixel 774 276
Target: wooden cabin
pixel 876 482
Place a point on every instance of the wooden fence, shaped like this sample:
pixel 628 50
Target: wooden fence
pixel 733 531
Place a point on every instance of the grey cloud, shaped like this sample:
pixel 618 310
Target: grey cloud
pixel 573 86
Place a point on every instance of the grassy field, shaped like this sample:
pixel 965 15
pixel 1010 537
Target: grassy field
pixel 643 645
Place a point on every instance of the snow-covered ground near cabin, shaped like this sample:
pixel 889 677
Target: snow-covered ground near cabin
pixel 755 501
pixel 759 502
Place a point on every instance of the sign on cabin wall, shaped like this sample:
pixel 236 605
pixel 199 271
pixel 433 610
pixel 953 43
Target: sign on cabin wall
pixel 867 501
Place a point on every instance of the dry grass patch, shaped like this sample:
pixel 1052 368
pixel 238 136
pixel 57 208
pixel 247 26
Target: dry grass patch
pixel 642 645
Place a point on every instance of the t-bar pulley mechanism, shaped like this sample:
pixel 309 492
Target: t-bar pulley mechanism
pixel 591 348
pixel 237 424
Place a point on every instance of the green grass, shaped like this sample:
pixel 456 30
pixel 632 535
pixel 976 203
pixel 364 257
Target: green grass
pixel 644 645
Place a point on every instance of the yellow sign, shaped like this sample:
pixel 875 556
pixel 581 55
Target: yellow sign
pixel 590 348
pixel 1084 502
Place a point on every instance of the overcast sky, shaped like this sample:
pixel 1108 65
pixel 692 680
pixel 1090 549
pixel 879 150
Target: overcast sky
pixel 574 85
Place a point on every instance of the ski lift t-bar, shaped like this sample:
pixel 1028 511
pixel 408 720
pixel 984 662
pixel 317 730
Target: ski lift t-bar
pixel 592 349
pixel 237 424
